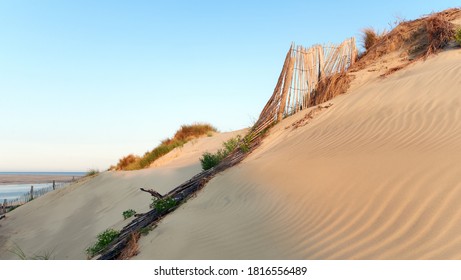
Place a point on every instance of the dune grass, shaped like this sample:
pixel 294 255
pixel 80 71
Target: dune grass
pixel 182 136
pixel 369 37
pixel 48 255
pixel 92 172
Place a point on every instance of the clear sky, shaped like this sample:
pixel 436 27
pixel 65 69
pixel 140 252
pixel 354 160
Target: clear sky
pixel 83 83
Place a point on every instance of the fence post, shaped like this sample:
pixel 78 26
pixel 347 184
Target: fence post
pixel 31 193
pixel 286 88
pixel 4 206
pixel 54 185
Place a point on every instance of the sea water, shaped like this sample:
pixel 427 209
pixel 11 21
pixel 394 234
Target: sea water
pixel 14 191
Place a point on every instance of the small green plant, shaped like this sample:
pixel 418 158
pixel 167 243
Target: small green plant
pixel 128 213
pixel 210 160
pixel 244 145
pixel 104 239
pixel 458 36
pixel 164 204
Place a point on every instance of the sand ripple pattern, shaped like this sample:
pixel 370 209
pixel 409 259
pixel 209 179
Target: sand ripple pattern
pixel 377 176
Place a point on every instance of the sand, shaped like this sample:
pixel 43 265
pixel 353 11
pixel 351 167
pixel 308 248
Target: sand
pixel 65 222
pixel 34 179
pixel 375 176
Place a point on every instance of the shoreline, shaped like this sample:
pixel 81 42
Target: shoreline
pixel 35 179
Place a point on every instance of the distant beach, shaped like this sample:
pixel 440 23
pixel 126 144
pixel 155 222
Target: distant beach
pixel 9 178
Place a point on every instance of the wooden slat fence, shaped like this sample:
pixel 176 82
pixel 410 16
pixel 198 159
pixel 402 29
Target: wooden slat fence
pixel 302 70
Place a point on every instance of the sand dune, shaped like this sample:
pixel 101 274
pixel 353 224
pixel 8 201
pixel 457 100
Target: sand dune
pixel 375 176
pixel 65 222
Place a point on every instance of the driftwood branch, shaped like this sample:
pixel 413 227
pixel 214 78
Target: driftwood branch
pixel 153 193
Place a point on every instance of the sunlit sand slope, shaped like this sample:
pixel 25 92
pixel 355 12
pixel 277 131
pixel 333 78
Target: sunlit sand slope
pixel 375 176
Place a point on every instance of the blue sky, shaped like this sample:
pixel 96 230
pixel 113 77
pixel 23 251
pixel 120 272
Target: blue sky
pixel 83 83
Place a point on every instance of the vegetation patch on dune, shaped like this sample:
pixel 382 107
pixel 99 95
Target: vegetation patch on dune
pixel 92 172
pixel 370 36
pixel 164 204
pixel 458 36
pixel 104 239
pixel 128 213
pixel 182 136
pixel 210 160
pixel 415 39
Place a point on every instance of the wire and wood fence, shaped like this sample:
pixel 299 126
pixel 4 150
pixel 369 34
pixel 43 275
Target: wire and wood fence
pixel 8 204
pixel 302 71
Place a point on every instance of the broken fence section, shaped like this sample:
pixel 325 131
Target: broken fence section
pixel 302 71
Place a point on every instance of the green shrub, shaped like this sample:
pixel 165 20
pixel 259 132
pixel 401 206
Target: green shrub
pixel 209 160
pixel 458 36
pixel 162 205
pixel 128 213
pixel 104 239
pixel 244 145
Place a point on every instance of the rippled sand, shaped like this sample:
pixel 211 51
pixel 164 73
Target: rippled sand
pixel 376 176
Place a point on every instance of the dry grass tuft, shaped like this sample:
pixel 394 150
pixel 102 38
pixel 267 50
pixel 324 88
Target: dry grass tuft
pixel 124 162
pixel 188 132
pixel 370 37
pixel 132 248
pixel 331 87
pixel 416 39
pixel 439 32
pixel 182 136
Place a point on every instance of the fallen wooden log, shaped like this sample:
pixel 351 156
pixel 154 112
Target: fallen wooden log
pixel 2 216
